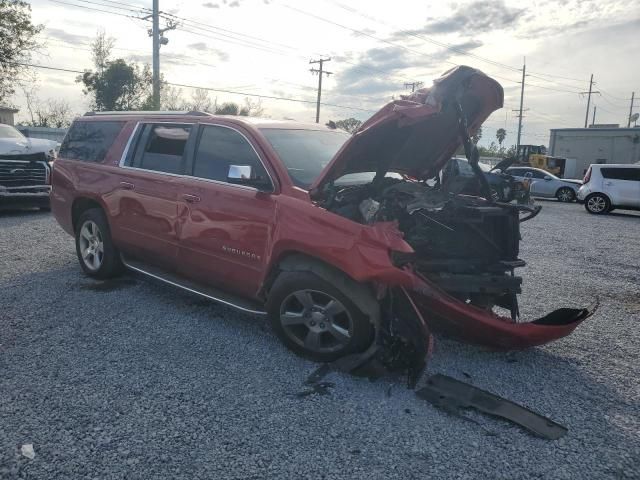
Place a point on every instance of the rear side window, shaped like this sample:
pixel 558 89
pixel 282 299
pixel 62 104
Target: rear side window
pixel 621 173
pixel 89 141
pixel 161 148
pixel 221 147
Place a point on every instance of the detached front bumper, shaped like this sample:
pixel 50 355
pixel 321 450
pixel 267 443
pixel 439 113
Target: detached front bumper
pixel 471 324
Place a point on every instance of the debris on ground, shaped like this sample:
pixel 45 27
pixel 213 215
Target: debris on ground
pixel 452 395
pixel 27 451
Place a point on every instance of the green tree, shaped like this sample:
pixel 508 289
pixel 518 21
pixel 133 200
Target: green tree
pixel 501 134
pixel 17 43
pixel 115 84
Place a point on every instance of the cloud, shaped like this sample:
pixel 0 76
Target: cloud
pixel 235 3
pixel 210 5
pixel 67 37
pixel 203 47
pixel 480 16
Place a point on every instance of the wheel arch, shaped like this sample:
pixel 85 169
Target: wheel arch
pixel 81 205
pixel 293 261
pixel 575 193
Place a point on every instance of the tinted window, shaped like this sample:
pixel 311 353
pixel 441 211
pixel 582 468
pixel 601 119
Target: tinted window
pixel 220 147
pixel 7 131
pixel 161 148
pixel 89 141
pixel 621 173
pixel 517 172
pixel 304 152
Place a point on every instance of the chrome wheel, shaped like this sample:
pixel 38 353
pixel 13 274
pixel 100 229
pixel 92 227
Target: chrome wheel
pixel 316 321
pixel 91 245
pixel 565 195
pixel 596 204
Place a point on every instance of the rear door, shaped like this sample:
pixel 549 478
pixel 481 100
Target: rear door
pixel 622 185
pixel 146 201
pixel 226 227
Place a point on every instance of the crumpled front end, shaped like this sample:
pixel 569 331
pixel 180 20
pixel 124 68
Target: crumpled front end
pixel 446 314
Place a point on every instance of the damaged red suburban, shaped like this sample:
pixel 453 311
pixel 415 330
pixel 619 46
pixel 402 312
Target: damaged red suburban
pixel 355 246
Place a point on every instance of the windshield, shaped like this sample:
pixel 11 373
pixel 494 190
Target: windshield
pixel 304 153
pixel 7 131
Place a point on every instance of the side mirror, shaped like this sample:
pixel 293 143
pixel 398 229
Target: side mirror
pixel 239 173
pixel 547 178
pixel 245 175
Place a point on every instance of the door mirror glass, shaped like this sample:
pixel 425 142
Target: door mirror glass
pixel 547 178
pixel 239 173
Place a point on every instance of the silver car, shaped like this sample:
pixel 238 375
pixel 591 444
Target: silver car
pixel 547 185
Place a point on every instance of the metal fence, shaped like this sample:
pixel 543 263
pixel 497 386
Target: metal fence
pixel 46 133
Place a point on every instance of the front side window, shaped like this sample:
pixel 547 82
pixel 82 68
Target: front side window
pixel 621 173
pixel 304 153
pixel 89 141
pixel 219 148
pixel 161 148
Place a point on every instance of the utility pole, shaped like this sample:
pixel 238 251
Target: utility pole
pixel 413 85
pixel 156 33
pixel 524 72
pixel 586 115
pixel 320 72
pixel 156 54
pixel 633 94
pixel 593 120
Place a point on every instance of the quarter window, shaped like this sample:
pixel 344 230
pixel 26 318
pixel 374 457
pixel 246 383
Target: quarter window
pixel 161 148
pixel 89 141
pixel 221 147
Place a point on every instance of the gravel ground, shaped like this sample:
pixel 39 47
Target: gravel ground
pixel 131 379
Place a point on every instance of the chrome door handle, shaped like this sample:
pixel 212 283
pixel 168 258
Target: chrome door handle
pixel 191 198
pixel 127 186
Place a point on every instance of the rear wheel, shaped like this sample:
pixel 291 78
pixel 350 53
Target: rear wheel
pixel 316 320
pixel 597 203
pixel 566 194
pixel 97 255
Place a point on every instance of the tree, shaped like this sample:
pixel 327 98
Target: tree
pixel 501 134
pixel 17 43
pixel 116 84
pixel 348 124
pixel 50 113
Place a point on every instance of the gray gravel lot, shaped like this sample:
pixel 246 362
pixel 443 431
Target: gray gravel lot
pixel 132 379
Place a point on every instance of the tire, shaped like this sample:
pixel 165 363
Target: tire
pixel 93 235
pixel 566 195
pixel 597 203
pixel 296 308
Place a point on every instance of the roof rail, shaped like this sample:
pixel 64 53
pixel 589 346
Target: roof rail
pixel 150 112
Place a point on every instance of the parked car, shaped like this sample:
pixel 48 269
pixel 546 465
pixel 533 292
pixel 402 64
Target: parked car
pixel 611 186
pixel 504 187
pixel 303 224
pixel 547 185
pixel 25 169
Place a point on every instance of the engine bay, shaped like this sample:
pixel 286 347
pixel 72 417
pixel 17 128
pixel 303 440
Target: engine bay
pixel 467 245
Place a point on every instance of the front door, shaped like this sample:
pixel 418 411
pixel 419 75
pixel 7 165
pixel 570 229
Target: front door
pixel 225 227
pixel 146 199
pixel 622 185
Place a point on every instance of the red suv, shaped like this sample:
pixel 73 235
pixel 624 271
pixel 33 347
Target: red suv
pixel 351 245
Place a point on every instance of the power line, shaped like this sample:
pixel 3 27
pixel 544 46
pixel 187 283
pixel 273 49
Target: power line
pixel 222 90
pixel 95 9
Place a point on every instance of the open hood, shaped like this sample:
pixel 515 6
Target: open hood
pixel 418 134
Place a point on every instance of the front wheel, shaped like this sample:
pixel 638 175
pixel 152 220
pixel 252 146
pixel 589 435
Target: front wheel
pixel 597 203
pixel 316 320
pixel 96 252
pixel 566 194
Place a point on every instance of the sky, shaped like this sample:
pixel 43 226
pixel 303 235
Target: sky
pixel 263 47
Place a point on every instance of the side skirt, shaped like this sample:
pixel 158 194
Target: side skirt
pixel 205 291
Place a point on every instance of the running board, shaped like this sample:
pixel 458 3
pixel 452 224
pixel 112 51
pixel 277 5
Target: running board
pixel 204 291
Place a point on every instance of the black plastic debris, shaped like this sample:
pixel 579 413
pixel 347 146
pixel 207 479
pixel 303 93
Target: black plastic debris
pixel 452 395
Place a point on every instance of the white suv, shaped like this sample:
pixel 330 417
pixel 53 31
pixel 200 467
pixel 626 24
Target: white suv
pixel 611 186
